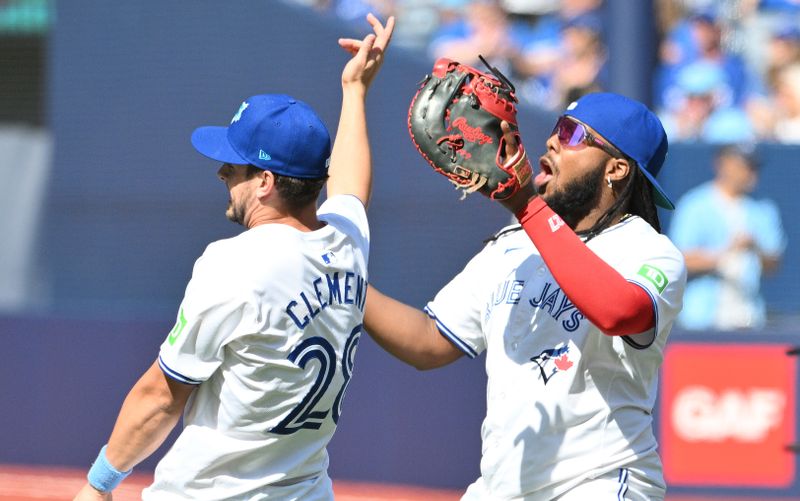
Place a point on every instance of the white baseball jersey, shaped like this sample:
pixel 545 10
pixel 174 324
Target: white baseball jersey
pixel 268 330
pixel 565 402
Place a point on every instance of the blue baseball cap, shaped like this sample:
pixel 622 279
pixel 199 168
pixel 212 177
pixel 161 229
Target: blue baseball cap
pixel 631 128
pixel 789 32
pixel 590 21
pixel 273 132
pixel 706 15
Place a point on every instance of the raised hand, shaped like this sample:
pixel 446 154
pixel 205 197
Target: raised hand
pixel 519 200
pixel 351 160
pixel 367 53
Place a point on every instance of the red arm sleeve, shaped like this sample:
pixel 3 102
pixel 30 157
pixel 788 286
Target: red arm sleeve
pixel 617 307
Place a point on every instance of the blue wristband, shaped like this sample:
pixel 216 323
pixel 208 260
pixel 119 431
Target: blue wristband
pixel 104 477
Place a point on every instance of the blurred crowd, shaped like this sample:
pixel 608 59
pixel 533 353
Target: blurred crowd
pixel 728 70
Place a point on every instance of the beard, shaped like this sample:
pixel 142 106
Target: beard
pixel 235 213
pixel 575 200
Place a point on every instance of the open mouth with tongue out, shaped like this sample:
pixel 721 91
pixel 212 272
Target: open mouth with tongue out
pixel 545 174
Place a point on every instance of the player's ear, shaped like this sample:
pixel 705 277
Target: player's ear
pixel 617 169
pixel 266 183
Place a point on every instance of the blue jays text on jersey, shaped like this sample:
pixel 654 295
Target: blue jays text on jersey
pixel 325 291
pixel 550 299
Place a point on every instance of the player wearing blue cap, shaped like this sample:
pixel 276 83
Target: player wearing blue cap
pixel 263 349
pixel 573 313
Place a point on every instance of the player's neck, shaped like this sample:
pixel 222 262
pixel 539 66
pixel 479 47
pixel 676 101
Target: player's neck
pixel 607 200
pixel 589 221
pixel 304 219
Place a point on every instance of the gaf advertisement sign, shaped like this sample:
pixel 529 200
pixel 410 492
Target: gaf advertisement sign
pixel 727 413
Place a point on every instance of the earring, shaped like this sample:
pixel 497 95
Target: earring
pixel 608 180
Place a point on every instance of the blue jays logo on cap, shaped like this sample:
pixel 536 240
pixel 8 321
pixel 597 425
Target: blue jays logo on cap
pixel 238 114
pixel 273 132
pixel 631 128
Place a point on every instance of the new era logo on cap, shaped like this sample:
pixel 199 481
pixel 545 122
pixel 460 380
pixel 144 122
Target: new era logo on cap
pixel 298 143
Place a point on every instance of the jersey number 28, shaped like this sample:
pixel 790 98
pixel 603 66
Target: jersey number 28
pixel 305 414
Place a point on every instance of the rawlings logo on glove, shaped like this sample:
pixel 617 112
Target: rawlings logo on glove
pixel 454 121
pixel 472 134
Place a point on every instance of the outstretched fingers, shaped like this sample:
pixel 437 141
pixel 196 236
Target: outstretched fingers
pixel 351 45
pixel 367 54
pixel 383 33
pixel 365 48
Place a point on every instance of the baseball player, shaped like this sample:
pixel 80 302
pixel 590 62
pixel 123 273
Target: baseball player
pixel 263 348
pixel 572 306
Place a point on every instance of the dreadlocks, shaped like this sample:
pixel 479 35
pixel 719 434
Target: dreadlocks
pixel 636 199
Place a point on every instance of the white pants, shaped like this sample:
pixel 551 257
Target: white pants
pixel 318 488
pixel 621 484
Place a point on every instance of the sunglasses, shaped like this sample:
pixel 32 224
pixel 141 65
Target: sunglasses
pixel 575 135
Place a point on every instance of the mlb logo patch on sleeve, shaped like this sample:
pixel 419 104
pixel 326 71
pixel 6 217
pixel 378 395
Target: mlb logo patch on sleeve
pixel 654 276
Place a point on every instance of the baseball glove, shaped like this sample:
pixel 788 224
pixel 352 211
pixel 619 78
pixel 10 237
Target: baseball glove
pixel 454 121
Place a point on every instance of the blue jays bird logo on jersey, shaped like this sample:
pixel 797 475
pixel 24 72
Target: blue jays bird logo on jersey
pixel 554 360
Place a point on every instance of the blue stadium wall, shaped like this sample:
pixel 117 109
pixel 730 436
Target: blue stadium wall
pixel 131 205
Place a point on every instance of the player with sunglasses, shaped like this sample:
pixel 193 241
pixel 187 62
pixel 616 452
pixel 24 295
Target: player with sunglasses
pixel 574 134
pixel 573 313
